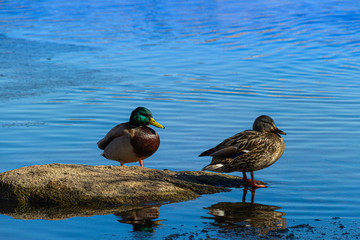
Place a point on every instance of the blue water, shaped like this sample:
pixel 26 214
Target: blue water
pixel 70 70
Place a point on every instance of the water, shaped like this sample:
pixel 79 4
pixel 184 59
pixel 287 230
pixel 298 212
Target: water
pixel 70 70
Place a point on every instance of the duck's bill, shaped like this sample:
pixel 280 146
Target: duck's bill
pixel 279 131
pixel 155 123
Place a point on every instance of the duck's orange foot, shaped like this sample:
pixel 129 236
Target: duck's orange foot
pixel 249 181
pixel 255 185
pixel 141 162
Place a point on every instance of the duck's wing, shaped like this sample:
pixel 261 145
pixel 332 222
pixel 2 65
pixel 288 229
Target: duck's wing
pixel 236 145
pixel 117 131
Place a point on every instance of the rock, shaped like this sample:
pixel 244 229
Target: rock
pixel 96 187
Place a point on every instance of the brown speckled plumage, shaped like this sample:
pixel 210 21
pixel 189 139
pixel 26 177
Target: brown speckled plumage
pixel 248 151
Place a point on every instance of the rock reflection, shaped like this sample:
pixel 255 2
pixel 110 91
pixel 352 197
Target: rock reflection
pixel 235 216
pixel 51 212
pixel 141 219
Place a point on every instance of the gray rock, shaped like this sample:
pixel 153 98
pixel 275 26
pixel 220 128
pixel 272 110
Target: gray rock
pixel 96 187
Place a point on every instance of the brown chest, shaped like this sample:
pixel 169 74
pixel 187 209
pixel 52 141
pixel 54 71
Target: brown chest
pixel 145 141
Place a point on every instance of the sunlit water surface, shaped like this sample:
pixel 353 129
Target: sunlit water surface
pixel 70 70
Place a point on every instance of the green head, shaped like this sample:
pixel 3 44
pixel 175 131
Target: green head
pixel 142 116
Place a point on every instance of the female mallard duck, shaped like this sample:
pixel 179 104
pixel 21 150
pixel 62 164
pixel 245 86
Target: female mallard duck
pixel 248 151
pixel 132 141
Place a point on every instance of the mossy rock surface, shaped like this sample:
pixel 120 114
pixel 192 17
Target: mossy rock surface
pixel 73 185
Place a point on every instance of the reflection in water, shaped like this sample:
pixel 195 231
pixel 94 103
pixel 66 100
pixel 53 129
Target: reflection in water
pixel 252 190
pixel 245 215
pixel 141 219
pixel 128 214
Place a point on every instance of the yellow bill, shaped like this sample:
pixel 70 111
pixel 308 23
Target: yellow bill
pixel 155 123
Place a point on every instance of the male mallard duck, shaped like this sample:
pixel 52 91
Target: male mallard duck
pixel 132 141
pixel 248 151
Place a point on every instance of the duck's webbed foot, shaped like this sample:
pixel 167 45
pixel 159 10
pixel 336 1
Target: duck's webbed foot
pixel 254 183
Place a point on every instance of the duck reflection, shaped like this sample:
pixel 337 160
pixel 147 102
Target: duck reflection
pixel 235 215
pixel 252 190
pixel 141 219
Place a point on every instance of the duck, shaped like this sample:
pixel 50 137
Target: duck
pixel 248 151
pixel 132 141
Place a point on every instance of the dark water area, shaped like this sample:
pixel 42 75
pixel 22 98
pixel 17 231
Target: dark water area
pixel 70 70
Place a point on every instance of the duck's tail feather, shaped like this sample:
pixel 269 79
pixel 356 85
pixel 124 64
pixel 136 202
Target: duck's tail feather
pixel 214 168
pixel 206 153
